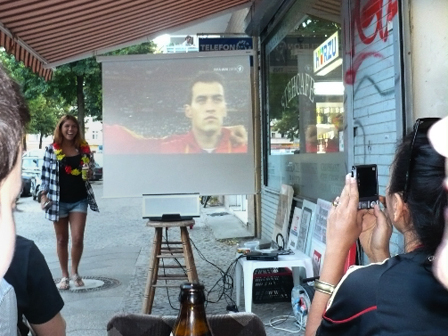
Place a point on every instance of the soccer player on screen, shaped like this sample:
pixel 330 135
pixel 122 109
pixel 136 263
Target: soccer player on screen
pixel 206 108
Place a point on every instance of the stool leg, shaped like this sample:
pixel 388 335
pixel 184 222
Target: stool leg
pixel 188 253
pixel 152 273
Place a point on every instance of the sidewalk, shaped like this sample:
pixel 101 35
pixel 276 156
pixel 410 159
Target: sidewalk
pixel 115 262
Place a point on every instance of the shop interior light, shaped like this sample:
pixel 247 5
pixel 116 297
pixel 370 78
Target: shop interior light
pixel 328 88
pixel 330 67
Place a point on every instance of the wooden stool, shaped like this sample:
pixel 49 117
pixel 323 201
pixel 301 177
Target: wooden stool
pixel 170 249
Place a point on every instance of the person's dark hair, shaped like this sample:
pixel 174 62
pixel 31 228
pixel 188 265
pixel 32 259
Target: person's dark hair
pixel 426 198
pixel 14 116
pixel 58 137
pixel 204 77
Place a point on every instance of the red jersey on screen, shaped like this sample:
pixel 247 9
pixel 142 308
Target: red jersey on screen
pixel 120 140
pixel 186 143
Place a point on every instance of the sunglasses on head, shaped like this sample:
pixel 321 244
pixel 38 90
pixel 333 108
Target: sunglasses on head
pixel 421 126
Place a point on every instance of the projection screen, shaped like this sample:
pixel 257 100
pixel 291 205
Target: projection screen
pixel 178 123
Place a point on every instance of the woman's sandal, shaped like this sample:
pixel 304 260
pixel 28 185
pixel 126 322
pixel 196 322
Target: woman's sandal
pixel 77 280
pixel 64 284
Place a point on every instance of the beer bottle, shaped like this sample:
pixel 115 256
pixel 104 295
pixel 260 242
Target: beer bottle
pixel 191 320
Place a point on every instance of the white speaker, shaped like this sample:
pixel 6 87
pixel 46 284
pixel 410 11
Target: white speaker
pixel 170 207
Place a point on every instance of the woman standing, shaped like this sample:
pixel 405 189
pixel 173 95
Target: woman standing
pixel 66 193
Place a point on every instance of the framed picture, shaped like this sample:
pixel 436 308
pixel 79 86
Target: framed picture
pixel 319 234
pixel 293 239
pixel 282 217
pixel 306 226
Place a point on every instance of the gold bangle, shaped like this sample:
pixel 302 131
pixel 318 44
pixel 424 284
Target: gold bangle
pixel 324 287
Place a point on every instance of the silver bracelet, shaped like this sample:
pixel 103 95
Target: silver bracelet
pixel 324 287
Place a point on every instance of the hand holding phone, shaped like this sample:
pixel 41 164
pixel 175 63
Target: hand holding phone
pixel 367 180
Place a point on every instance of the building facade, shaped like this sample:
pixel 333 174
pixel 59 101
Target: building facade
pixel 343 81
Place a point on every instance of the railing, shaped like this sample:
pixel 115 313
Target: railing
pixel 180 49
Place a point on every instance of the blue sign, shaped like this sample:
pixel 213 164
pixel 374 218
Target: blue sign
pixel 225 44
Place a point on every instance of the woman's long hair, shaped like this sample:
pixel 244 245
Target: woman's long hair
pixel 58 137
pixel 426 198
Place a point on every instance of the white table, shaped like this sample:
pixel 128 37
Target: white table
pixel 248 267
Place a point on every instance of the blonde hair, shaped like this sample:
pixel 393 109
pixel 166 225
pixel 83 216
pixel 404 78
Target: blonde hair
pixel 58 137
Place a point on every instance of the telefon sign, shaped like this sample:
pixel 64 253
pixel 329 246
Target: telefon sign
pixel 326 53
pixel 225 44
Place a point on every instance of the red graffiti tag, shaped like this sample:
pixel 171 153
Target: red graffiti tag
pixel 350 75
pixel 363 18
pixel 373 8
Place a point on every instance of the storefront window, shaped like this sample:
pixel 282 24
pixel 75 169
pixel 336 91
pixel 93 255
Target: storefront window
pixel 304 97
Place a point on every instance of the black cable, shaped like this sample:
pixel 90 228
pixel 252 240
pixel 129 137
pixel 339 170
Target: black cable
pixel 285 252
pixel 226 290
pixel 164 270
pixel 167 292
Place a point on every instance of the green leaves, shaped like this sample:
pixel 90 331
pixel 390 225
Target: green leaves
pixel 48 101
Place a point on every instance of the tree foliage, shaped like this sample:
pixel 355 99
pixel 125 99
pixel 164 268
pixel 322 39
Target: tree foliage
pixel 285 119
pixel 44 110
pixel 75 88
pixel 79 83
pixel 45 113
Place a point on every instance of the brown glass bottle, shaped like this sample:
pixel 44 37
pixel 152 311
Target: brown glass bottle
pixel 191 320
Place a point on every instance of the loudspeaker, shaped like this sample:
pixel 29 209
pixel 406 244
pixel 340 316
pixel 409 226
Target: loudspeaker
pixel 170 207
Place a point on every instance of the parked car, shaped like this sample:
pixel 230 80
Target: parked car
pixel 35 188
pixel 34 153
pixel 97 172
pixel 31 168
pixel 26 184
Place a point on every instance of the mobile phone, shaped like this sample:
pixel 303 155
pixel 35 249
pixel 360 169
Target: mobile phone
pixel 47 204
pixel 367 179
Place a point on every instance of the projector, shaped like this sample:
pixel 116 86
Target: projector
pixel 170 207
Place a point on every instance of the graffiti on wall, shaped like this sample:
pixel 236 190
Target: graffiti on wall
pixel 369 22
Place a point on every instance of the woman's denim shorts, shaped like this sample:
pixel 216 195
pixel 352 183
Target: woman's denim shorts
pixel 66 208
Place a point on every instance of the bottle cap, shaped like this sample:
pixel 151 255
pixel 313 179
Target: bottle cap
pixel 191 286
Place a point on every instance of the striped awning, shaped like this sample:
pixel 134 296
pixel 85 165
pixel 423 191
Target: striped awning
pixel 47 33
pixel 12 46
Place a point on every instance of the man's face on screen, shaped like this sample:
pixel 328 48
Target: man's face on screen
pixel 207 108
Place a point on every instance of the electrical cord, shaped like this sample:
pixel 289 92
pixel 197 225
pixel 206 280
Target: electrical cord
pixel 164 269
pixel 224 284
pixel 226 288
pixel 285 252
pixel 167 292
pixel 273 322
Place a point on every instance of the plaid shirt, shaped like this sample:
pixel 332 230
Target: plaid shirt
pixel 50 184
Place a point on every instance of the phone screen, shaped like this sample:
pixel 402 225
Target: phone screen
pixel 367 181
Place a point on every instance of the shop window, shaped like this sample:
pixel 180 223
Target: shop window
pixel 304 98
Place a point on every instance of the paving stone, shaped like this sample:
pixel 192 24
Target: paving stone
pixel 118 244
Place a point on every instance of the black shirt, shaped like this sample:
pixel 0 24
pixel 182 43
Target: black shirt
pixel 72 187
pixel 37 296
pixel 397 297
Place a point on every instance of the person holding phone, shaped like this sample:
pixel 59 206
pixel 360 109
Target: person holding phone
pixel 395 295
